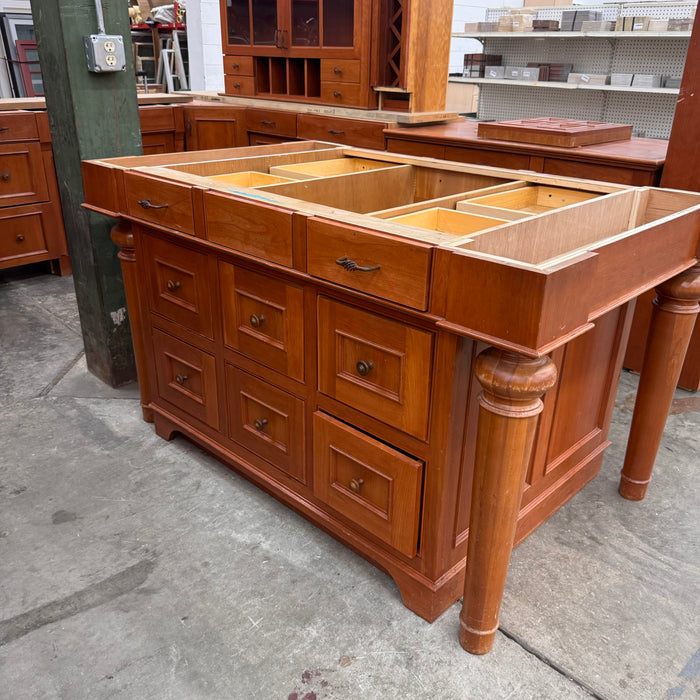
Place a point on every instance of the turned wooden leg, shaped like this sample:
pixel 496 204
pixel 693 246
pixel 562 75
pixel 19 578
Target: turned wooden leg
pixel 509 407
pixel 675 310
pixel 124 238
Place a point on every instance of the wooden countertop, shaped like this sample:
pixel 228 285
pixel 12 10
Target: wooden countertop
pixel 159 98
pixel 649 153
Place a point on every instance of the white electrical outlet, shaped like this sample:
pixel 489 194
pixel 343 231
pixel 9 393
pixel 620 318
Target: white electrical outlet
pixel 105 53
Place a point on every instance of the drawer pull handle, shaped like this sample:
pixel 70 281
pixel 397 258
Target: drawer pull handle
pixel 364 368
pixel 172 286
pixel 260 424
pixel 337 93
pixel 237 85
pixel 20 238
pixel 235 66
pixel 355 485
pixel 4 128
pixel 6 176
pixel 352 266
pixel 257 321
pixel 266 122
pixel 335 131
pixel 337 70
pixel 146 204
pixel 181 378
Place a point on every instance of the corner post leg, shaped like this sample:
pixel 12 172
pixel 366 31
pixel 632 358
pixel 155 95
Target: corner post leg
pixel 673 318
pixel 123 237
pixel 509 407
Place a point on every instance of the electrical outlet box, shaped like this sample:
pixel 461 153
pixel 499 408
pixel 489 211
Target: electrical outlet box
pixel 105 53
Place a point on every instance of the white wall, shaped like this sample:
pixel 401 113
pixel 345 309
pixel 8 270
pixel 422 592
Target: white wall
pixel 204 45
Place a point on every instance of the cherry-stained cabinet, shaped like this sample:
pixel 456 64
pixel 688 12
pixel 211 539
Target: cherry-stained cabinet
pixel 338 52
pixel 418 356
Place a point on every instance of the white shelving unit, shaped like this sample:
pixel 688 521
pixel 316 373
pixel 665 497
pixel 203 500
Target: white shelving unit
pixel 650 110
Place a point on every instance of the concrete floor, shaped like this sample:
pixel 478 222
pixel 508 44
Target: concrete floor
pixel 136 568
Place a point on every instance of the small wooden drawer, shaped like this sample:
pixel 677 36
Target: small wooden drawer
pixel 340 71
pixel 390 268
pixel 268 121
pixel 480 156
pixel 267 421
pixel 372 484
pixel 160 202
pixel 239 85
pixel 263 319
pixel 186 377
pixel 21 235
pixel 178 284
pixel 340 93
pixel 238 65
pixel 377 365
pixel 22 178
pixel 155 119
pixel 256 229
pixel 18 127
pixel 352 132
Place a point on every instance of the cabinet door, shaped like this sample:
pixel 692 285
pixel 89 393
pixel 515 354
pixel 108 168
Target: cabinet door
pixel 214 127
pixel 251 23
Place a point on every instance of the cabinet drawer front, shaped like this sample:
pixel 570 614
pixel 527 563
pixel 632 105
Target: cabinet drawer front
pixel 377 365
pixel 18 127
pixel 239 85
pixel 256 229
pixel 269 121
pixel 186 377
pixel 178 284
pixel 267 421
pixel 21 235
pixel 263 319
pixel 22 179
pixel 403 272
pixel 340 71
pixel 370 483
pixel 353 132
pixel 483 157
pixel 238 65
pixel 160 202
pixel 340 93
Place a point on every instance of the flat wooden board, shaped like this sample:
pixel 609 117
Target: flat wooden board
pixel 550 131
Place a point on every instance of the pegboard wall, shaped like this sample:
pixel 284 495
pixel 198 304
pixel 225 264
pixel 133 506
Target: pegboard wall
pixel 650 112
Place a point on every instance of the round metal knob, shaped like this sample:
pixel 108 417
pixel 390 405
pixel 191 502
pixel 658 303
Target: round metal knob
pixel 364 368
pixel 6 176
pixel 181 379
pixel 336 93
pixel 257 321
pixel 260 423
pixel 337 70
pixel 172 285
pixel 355 485
pixel 236 66
pixel 237 85
pixel 19 238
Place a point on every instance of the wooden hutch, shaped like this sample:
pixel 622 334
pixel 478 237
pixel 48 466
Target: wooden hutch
pixel 351 53
pixel 418 356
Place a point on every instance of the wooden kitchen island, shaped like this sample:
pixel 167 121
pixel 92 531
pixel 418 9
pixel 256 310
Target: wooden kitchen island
pixel 420 357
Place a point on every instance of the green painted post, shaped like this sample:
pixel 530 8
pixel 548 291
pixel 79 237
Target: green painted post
pixel 91 115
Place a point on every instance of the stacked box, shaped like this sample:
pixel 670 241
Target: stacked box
pixel 658 25
pixel 475 63
pixel 680 25
pixel 495 72
pixel 545 25
pixel 547 3
pixel 588 78
pixel 488 26
pixel 621 79
pixel 543 70
pixel 598 26
pixel 514 72
pixel 571 20
pixel 646 80
pixel 671 81
pixel 559 72
pixel 471 27
pixel 632 24
pixel 515 23
pixel 529 73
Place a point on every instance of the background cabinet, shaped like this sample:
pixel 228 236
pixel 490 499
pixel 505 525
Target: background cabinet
pixel 341 52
